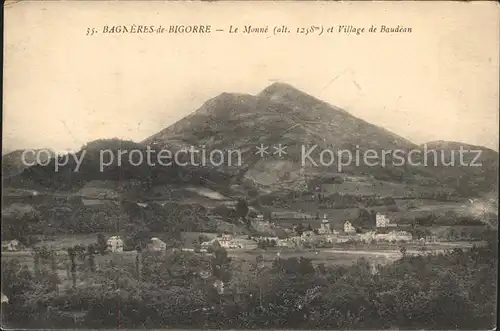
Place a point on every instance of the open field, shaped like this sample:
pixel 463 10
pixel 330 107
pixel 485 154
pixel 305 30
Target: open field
pixel 345 254
pixel 414 207
pixel 62 242
pixel 62 260
pixel 323 256
pixel 366 186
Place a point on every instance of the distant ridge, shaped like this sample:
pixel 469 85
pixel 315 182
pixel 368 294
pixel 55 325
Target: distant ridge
pixel 12 162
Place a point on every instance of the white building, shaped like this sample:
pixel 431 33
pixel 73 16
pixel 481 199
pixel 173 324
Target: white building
pixel 327 238
pixel 262 225
pixel 157 245
pixel 348 228
pixel 281 243
pixel 115 244
pixel 226 241
pixel 11 245
pixel 290 242
pixel 208 243
pixel 219 286
pixel 343 239
pixel 400 236
pixel 308 236
pixel 382 221
pixel 367 236
pixel 325 226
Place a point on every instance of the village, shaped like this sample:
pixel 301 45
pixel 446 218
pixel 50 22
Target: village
pixel 381 242
pixel 294 237
pixel 299 237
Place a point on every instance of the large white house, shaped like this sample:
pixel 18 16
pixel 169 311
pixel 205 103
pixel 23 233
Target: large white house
pixel 349 228
pixel 325 226
pixel 382 221
pixel 11 245
pixel 307 236
pixel 115 244
pixel 393 236
pixel 225 241
pixel 157 245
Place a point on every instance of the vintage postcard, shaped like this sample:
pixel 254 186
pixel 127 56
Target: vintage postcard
pixel 250 165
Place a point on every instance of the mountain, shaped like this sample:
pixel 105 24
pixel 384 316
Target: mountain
pixel 127 193
pixel 281 114
pixel 476 171
pixel 13 163
pixel 101 160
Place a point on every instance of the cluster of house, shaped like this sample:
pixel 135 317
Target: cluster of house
pixel 115 244
pixel 226 240
pixel 11 245
pixel 381 221
pixel 385 230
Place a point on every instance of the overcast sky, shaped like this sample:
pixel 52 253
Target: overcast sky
pixel 63 89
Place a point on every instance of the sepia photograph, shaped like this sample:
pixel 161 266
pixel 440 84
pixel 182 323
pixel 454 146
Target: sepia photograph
pixel 250 165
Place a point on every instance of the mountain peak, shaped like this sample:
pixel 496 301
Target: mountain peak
pixel 287 94
pixel 279 88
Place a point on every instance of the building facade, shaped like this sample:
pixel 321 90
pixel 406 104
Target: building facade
pixel 325 226
pixel 157 245
pixel 349 228
pixel 382 221
pixel 115 244
pixel 11 245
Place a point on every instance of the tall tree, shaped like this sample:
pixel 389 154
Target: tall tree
pixel 102 245
pixel 72 258
pixel 36 262
pixel 242 208
pixel 221 265
pixel 299 229
pixel 91 257
pixel 138 263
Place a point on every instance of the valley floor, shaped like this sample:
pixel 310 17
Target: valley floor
pixel 340 254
